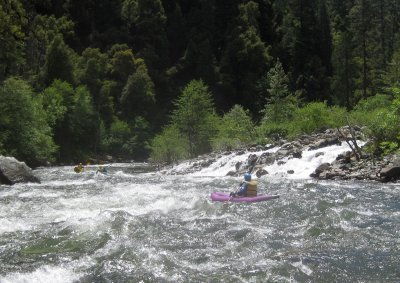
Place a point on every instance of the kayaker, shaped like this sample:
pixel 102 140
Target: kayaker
pixel 247 188
pixel 101 169
pixel 79 168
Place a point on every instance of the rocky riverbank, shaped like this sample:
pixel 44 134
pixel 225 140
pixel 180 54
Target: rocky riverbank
pixel 347 165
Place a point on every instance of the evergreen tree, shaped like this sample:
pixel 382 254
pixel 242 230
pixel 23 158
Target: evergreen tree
pixel 195 117
pixel 59 63
pixel 77 133
pixel 235 130
pixel 53 104
pixel 108 96
pixel 199 61
pixel 361 25
pixel 12 36
pixel 343 84
pixel 42 31
pixel 146 21
pixel 392 76
pixel 303 38
pixel 138 97
pixel 82 14
pixel 122 62
pixel 275 89
pixel 175 28
pixel 245 59
pixel 92 71
pixel 325 37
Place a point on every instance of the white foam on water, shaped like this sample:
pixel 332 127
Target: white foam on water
pixel 301 167
pixel 226 163
pixel 47 273
pixel 12 224
pixel 303 268
pixel 305 165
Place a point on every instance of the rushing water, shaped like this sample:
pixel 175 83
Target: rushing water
pixel 130 225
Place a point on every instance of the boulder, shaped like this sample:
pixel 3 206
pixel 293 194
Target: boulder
pixel 261 172
pixel 389 173
pixel 325 142
pixel 321 168
pixel 252 159
pixel 297 154
pixel 13 171
pixel 231 173
pixel 238 165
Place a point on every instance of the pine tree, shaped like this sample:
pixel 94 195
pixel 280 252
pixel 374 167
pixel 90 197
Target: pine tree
pixel 146 21
pixel 12 36
pixel 138 97
pixel 194 116
pixel 58 62
pixel 275 89
pixel 244 60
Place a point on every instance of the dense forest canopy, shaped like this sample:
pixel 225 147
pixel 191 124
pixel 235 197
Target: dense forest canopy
pixel 89 78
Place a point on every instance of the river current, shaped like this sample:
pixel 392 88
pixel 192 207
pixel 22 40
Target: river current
pixel 134 224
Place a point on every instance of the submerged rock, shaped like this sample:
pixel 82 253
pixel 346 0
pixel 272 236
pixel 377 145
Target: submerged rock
pixel 13 171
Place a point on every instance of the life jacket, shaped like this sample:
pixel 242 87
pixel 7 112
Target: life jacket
pixel 78 169
pixel 251 189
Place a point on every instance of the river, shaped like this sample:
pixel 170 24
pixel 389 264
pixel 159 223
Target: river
pixel 138 225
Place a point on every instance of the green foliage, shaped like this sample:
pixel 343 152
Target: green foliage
pixel 77 133
pixel 43 30
pixel 148 21
pixel 24 132
pixel 83 118
pixel 137 55
pixel 59 63
pixel 382 121
pixel 169 146
pixel 343 83
pixel 389 147
pixel 12 24
pixel 280 103
pixel 373 103
pixel 273 131
pixel 316 116
pixel 235 130
pixel 195 117
pixel 392 76
pixel 306 42
pixel 122 62
pixel 245 57
pixel 383 126
pixel 366 109
pixel 108 92
pixel 141 134
pixel 53 102
pixel 117 140
pixel 92 71
pixel 138 94
pixel 128 141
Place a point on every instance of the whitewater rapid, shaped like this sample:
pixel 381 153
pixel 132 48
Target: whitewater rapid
pixel 301 168
pixel 139 225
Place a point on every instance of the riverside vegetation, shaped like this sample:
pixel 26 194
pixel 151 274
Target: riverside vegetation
pixel 170 80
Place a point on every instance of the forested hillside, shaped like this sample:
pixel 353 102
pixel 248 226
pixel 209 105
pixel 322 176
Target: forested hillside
pixel 172 79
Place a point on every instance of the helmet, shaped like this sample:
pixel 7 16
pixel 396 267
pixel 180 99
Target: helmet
pixel 247 177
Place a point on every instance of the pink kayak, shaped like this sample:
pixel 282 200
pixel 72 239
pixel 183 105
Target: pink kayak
pixel 218 196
